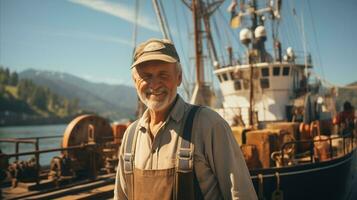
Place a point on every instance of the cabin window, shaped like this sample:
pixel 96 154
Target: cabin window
pixel 232 75
pixel 264 83
pixel 276 71
pixel 286 71
pixel 237 85
pixel 265 71
pixel 225 77
pixel 245 84
pixel 219 78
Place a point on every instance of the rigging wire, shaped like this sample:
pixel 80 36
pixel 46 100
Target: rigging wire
pixel 304 39
pixel 231 31
pixel 165 20
pixel 291 32
pixel 135 31
pixel 298 25
pixel 189 42
pixel 286 32
pixel 286 29
pixel 185 60
pixel 161 19
pixel 315 39
pixel 220 43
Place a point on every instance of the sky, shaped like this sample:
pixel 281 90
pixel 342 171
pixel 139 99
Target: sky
pixel 94 39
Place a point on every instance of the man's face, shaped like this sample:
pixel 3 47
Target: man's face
pixel 156 83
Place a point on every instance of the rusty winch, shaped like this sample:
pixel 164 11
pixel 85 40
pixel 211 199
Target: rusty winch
pixel 94 149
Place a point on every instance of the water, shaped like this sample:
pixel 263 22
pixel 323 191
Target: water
pixel 33 131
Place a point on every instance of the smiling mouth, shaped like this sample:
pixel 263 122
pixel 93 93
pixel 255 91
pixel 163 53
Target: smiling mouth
pixel 156 94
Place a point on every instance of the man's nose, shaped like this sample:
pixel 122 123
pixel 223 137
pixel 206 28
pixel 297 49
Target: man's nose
pixel 155 83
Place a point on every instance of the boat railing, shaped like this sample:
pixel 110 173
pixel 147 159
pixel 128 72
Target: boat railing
pixel 299 58
pixel 37 151
pixel 36 142
pixel 347 148
pixel 28 140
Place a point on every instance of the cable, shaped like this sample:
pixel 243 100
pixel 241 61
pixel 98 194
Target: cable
pixel 315 38
pixel 185 81
pixel 135 34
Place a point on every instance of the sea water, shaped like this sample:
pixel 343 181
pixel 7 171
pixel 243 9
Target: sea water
pixel 33 131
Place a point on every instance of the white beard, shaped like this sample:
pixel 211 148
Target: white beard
pixel 159 104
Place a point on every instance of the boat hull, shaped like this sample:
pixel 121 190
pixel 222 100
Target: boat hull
pixel 331 179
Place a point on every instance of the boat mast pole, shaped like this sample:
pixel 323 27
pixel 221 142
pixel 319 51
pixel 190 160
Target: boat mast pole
pixel 250 62
pixel 202 94
pixel 251 94
pixel 198 44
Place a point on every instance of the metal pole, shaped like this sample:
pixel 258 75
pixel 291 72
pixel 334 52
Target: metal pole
pixel 37 155
pixel 198 44
pixel 17 150
pixel 251 94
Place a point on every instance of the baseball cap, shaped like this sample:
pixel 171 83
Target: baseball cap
pixel 155 49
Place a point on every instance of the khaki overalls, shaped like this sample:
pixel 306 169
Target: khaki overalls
pixel 177 183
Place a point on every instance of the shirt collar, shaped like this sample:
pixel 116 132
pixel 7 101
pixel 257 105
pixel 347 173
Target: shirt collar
pixel 176 113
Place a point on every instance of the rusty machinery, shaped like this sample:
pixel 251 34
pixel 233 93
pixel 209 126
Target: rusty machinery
pixel 89 146
pixel 99 150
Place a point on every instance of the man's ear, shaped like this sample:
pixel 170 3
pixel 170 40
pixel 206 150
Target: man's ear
pixel 179 79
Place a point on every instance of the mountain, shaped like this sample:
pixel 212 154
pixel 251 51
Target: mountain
pixel 354 84
pixel 112 101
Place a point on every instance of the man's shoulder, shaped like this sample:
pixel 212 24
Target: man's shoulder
pixel 209 115
pixel 132 126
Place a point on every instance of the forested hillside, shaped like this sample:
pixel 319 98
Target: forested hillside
pixel 22 101
pixel 114 101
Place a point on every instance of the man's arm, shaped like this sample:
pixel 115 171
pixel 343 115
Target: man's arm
pixel 120 186
pixel 229 165
pixel 218 159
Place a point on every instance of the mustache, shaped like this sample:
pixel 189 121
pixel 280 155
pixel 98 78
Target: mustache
pixel 157 91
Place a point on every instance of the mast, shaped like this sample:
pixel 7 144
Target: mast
pixel 254 38
pixel 256 47
pixel 198 41
pixel 202 94
pixel 251 91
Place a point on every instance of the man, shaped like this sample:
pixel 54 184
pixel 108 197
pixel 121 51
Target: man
pixel 346 118
pixel 170 152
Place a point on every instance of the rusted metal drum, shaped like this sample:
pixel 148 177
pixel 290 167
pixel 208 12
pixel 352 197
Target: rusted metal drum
pixel 90 131
pixel 118 132
pixel 251 156
pixel 305 134
pixel 322 148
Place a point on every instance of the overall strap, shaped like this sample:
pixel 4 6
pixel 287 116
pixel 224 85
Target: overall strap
pixel 187 186
pixel 128 158
pixel 185 151
pixel 129 149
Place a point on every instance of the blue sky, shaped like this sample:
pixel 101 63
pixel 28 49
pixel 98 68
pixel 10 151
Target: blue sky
pixel 93 39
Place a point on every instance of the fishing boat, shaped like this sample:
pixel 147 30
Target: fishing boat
pixel 282 121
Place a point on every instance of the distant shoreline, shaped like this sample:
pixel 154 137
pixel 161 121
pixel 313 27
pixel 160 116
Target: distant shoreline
pixel 33 120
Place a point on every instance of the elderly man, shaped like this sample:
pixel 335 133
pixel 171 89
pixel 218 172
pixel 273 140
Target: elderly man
pixel 176 150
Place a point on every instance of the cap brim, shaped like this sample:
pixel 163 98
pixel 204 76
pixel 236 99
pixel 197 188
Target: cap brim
pixel 146 58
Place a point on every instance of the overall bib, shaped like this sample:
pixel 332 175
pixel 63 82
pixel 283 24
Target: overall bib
pixel 178 183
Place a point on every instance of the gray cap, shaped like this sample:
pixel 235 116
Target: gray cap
pixel 155 49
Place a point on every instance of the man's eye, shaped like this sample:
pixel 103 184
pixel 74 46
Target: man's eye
pixel 165 76
pixel 146 77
